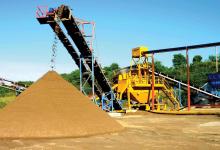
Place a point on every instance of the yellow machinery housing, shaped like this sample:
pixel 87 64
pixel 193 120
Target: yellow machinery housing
pixel 135 85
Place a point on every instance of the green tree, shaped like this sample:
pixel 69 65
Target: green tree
pixel 178 60
pixel 159 67
pixel 114 67
pixel 111 70
pixel 197 59
pixel 6 92
pixel 73 77
pixel 212 58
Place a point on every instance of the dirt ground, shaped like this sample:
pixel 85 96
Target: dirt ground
pixel 142 131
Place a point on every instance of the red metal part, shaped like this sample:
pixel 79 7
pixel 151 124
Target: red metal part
pixel 153 82
pixel 41 11
pixel 89 37
pixel 188 79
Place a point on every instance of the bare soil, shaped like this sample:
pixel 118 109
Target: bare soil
pixel 142 131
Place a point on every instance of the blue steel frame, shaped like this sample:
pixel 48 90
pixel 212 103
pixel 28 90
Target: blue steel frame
pixel 107 104
pixel 83 83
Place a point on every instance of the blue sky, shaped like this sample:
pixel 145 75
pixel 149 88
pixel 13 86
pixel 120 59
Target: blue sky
pixel 25 45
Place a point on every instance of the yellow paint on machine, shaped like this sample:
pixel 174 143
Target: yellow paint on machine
pixel 135 84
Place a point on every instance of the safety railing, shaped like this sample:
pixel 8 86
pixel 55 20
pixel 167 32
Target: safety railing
pixel 147 80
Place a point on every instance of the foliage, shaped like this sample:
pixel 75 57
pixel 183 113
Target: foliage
pixel 199 70
pixel 6 92
pixel 111 70
pixel 159 67
pixel 213 58
pixel 178 60
pixel 197 59
pixel 25 83
pixel 5 100
pixel 73 77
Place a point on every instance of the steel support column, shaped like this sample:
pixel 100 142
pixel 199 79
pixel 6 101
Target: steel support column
pixel 188 79
pixel 179 94
pixel 93 79
pixel 153 82
pixel 80 73
pixel 216 59
pixel 112 98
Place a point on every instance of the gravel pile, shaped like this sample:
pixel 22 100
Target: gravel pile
pixel 52 108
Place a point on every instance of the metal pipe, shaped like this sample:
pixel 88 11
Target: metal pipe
pixel 182 48
pixel 80 72
pixel 129 99
pixel 93 78
pixel 179 94
pixel 152 81
pixel 188 79
pixel 112 98
pixel 216 59
pixel 103 97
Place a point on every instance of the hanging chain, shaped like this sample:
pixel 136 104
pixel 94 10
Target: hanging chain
pixel 54 52
pixel 55 41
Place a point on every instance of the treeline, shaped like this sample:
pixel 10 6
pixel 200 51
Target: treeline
pixel 74 77
pixel 6 92
pixel 199 69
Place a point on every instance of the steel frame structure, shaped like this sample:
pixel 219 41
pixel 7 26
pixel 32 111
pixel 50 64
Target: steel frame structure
pixel 138 83
pixel 107 104
pixel 186 48
pixel 84 57
pixel 89 37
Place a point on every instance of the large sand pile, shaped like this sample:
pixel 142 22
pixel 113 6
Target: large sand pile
pixel 52 107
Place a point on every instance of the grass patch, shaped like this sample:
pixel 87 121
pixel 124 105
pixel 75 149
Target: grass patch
pixel 5 100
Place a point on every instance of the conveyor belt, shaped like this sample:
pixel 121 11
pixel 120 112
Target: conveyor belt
pixel 11 85
pixel 75 33
pixel 67 44
pixel 185 85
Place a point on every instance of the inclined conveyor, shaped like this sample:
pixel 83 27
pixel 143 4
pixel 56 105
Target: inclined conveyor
pixel 49 19
pixel 63 13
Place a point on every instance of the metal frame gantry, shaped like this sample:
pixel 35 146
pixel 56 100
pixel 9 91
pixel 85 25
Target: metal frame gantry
pixel 185 48
pixel 89 39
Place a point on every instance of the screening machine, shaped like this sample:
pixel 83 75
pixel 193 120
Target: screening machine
pixel 140 87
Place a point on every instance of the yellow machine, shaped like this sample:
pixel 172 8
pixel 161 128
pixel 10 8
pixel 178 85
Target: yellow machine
pixel 139 85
